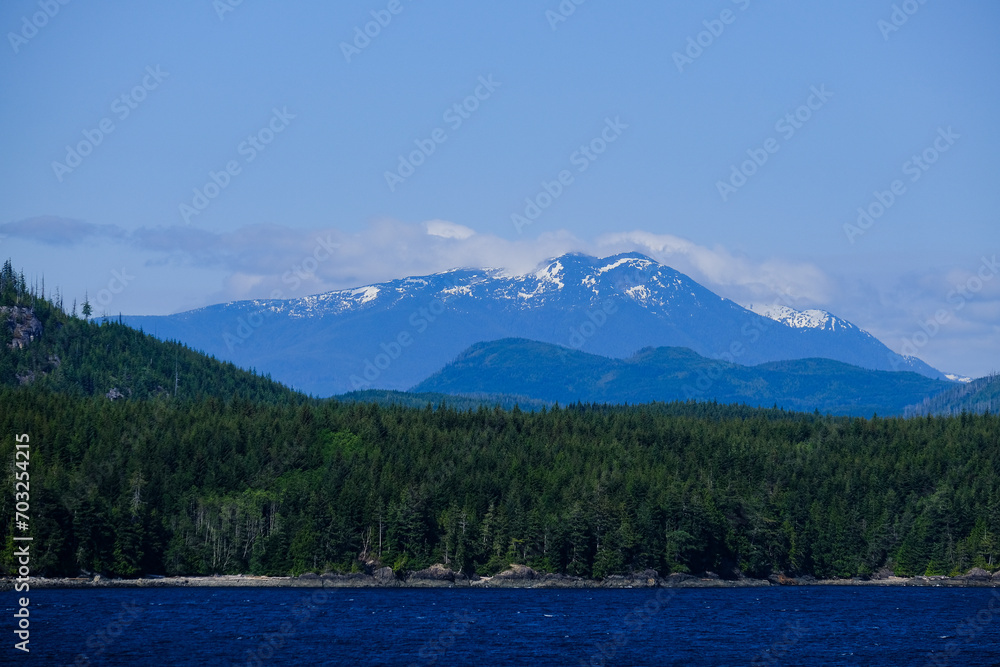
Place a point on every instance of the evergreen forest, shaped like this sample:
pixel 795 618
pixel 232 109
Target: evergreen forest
pixel 193 466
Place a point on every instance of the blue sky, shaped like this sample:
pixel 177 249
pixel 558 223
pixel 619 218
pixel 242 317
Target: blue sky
pixel 207 89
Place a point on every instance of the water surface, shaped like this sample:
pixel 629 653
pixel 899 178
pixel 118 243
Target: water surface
pixel 283 626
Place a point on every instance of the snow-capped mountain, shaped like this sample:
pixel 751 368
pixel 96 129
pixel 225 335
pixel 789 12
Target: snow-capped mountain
pixel 394 334
pixel 801 319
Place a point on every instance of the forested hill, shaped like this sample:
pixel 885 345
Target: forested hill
pixel 170 487
pixel 980 395
pixel 236 474
pixel 44 347
pixel 555 373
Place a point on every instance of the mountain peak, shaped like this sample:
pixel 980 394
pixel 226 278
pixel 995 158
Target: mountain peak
pixel 552 272
pixel 801 319
pixel 368 336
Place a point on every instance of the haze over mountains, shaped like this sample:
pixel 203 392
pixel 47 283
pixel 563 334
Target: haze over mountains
pixel 394 335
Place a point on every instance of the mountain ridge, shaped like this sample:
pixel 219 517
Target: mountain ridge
pixel 669 374
pixel 394 334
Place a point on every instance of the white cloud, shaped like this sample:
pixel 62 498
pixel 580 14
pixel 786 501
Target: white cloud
pixel 258 260
pixel 188 268
pixel 447 230
pixel 739 278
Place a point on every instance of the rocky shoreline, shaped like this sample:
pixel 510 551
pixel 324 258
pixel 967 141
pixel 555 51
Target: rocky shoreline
pixel 518 576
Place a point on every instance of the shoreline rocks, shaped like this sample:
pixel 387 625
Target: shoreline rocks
pixel 518 576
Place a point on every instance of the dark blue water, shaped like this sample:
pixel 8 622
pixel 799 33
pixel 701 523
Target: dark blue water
pixel 791 626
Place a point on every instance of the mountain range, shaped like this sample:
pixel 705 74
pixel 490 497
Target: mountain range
pixel 394 335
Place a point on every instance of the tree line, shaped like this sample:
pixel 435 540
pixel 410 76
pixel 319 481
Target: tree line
pixel 165 486
pixel 193 466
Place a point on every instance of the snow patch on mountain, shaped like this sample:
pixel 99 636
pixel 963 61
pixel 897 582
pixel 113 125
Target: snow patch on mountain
pixel 552 274
pixel 800 319
pixel 637 262
pixel 366 294
pixel 640 293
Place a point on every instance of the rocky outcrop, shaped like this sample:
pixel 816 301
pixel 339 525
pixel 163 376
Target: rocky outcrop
pixel 976 574
pixel 561 581
pixel 644 579
pixel 436 575
pixel 436 572
pixel 518 576
pixel 22 324
pixel 352 580
pixel 385 577
pixel 783 579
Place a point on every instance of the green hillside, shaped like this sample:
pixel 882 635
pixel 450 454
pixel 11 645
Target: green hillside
pixel 43 347
pixel 979 396
pixel 552 373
